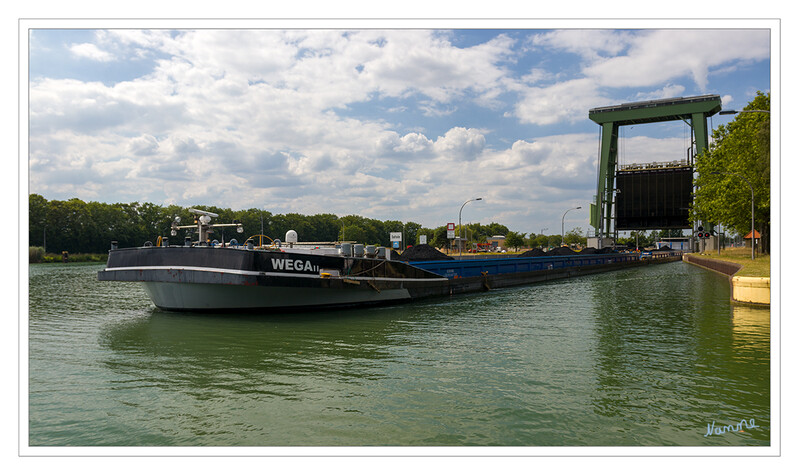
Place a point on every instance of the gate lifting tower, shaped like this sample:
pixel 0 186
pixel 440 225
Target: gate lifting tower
pixel 650 195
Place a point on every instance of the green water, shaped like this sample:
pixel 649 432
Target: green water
pixel 640 357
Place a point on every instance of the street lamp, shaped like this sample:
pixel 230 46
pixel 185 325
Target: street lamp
pixel 731 112
pixel 753 203
pixel 460 228
pixel 562 230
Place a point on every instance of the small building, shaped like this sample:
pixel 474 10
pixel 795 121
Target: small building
pixel 497 241
pixel 748 238
pixel 457 243
pixel 675 243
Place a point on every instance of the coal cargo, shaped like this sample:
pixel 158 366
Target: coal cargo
pixel 561 251
pixel 423 252
pixel 535 252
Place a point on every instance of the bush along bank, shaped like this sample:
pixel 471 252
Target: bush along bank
pixel 36 255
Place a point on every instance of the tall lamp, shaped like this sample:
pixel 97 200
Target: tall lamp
pixel 460 228
pixel 562 230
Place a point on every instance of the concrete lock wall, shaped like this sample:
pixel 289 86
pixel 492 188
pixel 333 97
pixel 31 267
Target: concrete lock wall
pixel 752 290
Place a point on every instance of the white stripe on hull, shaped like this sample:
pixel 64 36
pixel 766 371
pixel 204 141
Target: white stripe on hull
pixel 216 271
pixel 178 296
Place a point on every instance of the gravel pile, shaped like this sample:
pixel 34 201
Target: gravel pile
pixel 606 250
pixel 535 252
pixel 423 252
pixel 561 251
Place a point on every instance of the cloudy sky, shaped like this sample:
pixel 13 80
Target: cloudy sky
pixel 400 124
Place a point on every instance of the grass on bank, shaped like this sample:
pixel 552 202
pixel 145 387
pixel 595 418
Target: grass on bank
pixel 37 255
pixel 760 267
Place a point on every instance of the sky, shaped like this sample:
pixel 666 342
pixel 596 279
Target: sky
pixel 386 123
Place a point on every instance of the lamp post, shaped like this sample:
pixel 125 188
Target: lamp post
pixel 460 228
pixel 753 203
pixel 562 230
pixel 731 112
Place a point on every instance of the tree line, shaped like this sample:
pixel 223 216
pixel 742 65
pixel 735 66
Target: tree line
pixel 77 226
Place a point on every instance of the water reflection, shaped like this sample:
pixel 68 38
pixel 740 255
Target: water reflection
pixel 751 327
pixel 660 358
pixel 246 354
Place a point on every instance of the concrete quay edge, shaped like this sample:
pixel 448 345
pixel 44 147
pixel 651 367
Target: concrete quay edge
pixel 746 290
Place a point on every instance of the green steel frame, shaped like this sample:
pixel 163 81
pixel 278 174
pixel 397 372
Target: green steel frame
pixel 693 110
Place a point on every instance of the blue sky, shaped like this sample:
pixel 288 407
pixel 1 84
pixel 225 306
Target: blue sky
pixel 400 124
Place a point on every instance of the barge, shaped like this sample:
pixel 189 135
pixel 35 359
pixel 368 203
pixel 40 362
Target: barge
pixel 211 277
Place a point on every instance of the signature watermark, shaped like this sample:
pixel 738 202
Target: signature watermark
pixel 712 429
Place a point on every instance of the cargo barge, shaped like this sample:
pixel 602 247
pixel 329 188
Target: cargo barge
pixel 210 277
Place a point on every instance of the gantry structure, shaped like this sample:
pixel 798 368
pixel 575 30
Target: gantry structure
pixel 692 110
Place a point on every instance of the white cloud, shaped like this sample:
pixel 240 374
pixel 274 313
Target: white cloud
pixel 671 90
pixel 591 45
pixel 461 144
pixel 726 100
pixel 562 102
pixel 91 51
pixel 410 145
pixel 663 55
pixel 618 60
pixel 427 63
pixel 144 145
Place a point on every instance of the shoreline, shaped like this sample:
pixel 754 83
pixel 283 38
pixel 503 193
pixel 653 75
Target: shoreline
pixel 751 290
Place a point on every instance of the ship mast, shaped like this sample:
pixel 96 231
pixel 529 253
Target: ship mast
pixel 204 226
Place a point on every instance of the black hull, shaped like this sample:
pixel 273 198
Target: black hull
pixel 202 279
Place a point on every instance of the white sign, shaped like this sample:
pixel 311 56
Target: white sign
pixel 395 237
pixel 450 230
pixel 423 239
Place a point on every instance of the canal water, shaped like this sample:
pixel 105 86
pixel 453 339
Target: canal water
pixel 651 356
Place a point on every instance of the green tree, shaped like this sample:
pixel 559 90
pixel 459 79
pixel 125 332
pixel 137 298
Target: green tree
pixel 642 240
pixel 326 227
pixel 354 233
pixel 37 220
pixel 575 236
pixel 440 239
pixel 412 232
pixel 542 241
pixel 514 240
pixel 66 226
pixel 80 227
pixel 739 153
